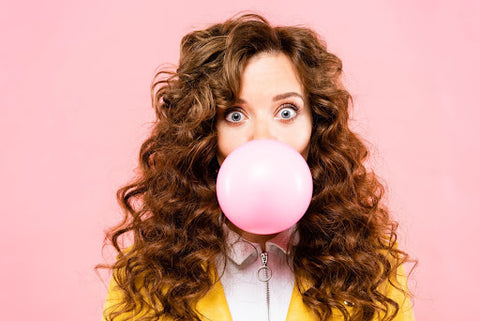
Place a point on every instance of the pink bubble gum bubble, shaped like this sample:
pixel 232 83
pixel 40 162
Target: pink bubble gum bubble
pixel 264 186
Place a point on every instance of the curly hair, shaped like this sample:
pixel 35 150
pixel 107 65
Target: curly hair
pixel 347 239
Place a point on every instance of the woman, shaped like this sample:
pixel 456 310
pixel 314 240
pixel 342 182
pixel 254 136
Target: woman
pixel 238 81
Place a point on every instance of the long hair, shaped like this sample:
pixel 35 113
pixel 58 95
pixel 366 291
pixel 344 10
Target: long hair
pixel 346 249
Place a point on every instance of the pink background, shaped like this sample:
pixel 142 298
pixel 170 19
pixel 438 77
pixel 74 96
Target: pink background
pixel 75 107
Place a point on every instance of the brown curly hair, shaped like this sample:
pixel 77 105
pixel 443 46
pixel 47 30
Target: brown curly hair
pixel 346 249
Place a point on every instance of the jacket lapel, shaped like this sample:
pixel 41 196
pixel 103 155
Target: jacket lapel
pixel 213 306
pixel 297 311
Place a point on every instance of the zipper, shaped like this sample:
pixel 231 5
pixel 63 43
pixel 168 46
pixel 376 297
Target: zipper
pixel 264 274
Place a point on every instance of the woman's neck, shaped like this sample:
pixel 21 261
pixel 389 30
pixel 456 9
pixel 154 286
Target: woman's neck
pixel 254 238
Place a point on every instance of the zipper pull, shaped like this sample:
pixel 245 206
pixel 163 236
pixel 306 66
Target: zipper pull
pixel 264 274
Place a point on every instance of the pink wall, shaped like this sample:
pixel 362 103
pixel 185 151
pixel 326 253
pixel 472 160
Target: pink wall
pixel 75 107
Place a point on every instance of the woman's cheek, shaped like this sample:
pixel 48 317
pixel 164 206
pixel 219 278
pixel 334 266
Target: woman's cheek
pixel 227 140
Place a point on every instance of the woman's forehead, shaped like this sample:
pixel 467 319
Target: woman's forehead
pixel 272 74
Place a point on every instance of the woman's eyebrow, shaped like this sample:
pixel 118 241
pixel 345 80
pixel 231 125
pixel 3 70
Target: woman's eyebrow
pixel 286 95
pixel 278 97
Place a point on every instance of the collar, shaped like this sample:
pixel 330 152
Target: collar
pixel 240 250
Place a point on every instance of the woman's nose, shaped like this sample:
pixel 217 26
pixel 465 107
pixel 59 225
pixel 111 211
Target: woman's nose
pixel 262 130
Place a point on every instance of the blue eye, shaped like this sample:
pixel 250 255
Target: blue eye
pixel 235 116
pixel 287 113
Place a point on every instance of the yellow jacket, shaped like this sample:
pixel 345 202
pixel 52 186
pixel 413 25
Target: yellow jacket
pixel 214 306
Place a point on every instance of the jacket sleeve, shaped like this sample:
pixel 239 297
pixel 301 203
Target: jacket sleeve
pixel 114 303
pixel 405 312
pixel 112 300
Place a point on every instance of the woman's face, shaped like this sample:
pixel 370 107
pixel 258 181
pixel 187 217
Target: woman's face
pixel 271 105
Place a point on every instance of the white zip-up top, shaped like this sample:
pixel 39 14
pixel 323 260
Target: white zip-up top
pixel 246 295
